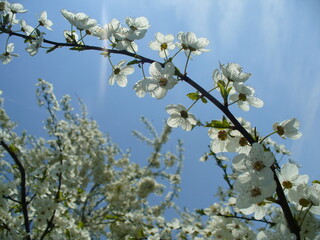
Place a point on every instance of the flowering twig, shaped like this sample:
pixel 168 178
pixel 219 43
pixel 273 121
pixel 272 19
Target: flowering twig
pixel 282 201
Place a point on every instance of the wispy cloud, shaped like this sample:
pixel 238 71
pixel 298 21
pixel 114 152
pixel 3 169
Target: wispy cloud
pixel 103 78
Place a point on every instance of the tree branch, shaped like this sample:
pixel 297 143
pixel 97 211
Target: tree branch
pixel 23 193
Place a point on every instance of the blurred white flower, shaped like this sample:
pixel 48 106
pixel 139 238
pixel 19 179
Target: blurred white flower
pixel 44 21
pixel 6 57
pixel 16 8
pixel 33 48
pixel 106 31
pixel 26 28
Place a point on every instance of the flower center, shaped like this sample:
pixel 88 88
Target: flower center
pixel 163 82
pixel 287 184
pixel 304 202
pixel 184 114
pixel 255 192
pixel 222 135
pixel 133 28
pixel 116 71
pixel 242 97
pixel 280 130
pixel 163 46
pixel 185 47
pixel 2 6
pixel 258 166
pixel 243 142
pixel 192 49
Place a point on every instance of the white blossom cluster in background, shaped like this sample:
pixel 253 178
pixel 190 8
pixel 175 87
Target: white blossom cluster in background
pixel 77 184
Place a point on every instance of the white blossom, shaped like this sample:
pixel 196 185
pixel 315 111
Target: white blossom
pixel 179 117
pixel 245 97
pixel 33 47
pixel 288 128
pixel 233 72
pixel 120 73
pixel 163 44
pixel 79 20
pixel 190 43
pixel 6 57
pixel 44 21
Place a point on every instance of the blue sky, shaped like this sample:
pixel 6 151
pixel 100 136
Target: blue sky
pixel 276 41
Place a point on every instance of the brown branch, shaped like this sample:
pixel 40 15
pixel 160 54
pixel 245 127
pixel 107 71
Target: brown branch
pixel 23 193
pixel 246 218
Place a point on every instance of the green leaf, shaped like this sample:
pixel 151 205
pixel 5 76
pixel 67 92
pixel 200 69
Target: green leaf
pixel 78 48
pixel 38 32
pixel 316 181
pixel 204 100
pixel 229 89
pixel 134 62
pixel 141 234
pixel 105 54
pixel 6 20
pixel 219 124
pixel 224 93
pixel 13 148
pixel 80 224
pixel 113 217
pixel 193 96
pixel 51 49
pixel 200 212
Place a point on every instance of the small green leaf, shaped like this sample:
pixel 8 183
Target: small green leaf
pixel 78 48
pixel 219 124
pixel 193 96
pixel 134 62
pixel 224 93
pixel 200 212
pixel 109 216
pixel 13 148
pixel 204 100
pixel 51 49
pixel 80 224
pixel 177 72
pixel 38 32
pixel 316 181
pixel 105 54
pixel 140 234
pixel 6 20
pixel 229 89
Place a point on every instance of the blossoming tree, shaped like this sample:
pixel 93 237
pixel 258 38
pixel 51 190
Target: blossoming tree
pixel 77 184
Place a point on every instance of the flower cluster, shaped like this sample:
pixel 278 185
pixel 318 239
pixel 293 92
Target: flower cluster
pixel 255 180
